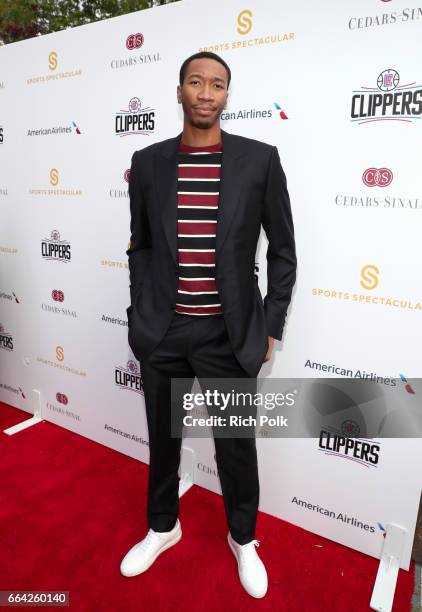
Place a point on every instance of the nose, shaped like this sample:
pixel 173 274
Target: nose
pixel 206 92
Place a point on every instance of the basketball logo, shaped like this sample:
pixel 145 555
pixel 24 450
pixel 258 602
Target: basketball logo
pixel 388 80
pixel 135 105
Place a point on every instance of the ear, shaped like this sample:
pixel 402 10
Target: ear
pixel 179 94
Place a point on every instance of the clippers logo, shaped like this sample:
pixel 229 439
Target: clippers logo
pixel 244 21
pixel 62 398
pixel 280 111
pixel 369 276
pixel 380 525
pixel 55 249
pixel 129 378
pixel 389 101
pixel 54 176
pixel 57 295
pixel 134 41
pixel 77 130
pixel 6 339
pixel 350 428
pixel 22 393
pixel 388 80
pixel 16 297
pixel 126 175
pixel 135 120
pixel 377 177
pixel 361 451
pixel 408 387
pixel 52 60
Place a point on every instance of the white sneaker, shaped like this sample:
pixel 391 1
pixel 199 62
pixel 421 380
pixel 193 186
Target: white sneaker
pixel 252 572
pixel 141 556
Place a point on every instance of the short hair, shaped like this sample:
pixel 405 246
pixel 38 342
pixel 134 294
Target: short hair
pixel 200 55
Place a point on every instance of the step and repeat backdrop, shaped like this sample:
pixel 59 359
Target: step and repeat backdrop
pixel 337 87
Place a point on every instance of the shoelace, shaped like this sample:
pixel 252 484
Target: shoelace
pixel 246 551
pixel 150 539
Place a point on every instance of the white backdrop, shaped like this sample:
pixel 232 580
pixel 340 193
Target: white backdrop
pixel 357 302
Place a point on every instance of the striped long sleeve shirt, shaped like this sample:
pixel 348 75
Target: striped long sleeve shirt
pixel 198 192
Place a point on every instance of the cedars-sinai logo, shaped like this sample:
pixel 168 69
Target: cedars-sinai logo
pixel 134 41
pixel 136 119
pixel 377 177
pixel 388 101
pixel 138 56
pixel 62 398
pixel 57 295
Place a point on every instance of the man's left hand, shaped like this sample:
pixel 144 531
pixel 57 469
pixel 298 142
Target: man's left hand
pixel 270 348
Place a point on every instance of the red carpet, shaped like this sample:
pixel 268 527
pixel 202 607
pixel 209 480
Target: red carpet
pixel 71 509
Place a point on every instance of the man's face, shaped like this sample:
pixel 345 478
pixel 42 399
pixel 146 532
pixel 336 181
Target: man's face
pixel 203 94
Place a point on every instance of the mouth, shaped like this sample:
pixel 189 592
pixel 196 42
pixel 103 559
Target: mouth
pixel 204 111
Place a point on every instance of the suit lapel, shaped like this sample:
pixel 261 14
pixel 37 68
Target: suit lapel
pixel 230 188
pixel 166 171
pixel 166 185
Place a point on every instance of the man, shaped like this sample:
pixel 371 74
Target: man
pixel 197 205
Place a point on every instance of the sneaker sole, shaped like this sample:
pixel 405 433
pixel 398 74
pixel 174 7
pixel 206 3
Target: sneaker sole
pixel 151 561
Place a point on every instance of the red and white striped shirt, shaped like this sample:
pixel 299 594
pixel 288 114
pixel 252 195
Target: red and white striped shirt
pixel 198 192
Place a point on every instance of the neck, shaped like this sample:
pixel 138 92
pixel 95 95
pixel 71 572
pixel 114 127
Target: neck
pixel 196 137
